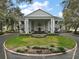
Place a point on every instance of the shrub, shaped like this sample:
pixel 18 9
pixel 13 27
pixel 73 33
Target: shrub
pixel 20 51
pixel 53 34
pixel 39 52
pixel 52 46
pixel 35 47
pixel 39 47
pixel 57 49
pixel 62 49
pixel 28 46
pixel 1 33
pixel 69 31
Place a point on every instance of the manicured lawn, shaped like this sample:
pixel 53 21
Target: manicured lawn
pixel 19 41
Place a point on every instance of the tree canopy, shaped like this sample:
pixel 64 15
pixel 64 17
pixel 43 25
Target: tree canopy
pixel 71 14
pixel 8 13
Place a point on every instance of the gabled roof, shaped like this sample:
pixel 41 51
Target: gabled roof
pixel 39 12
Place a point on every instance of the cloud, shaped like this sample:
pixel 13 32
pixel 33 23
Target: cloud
pixel 26 11
pixel 49 9
pixel 57 5
pixel 60 14
pixel 36 5
pixel 39 5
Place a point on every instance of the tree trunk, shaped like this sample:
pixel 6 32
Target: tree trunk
pixel 75 30
pixel 12 25
pixel 76 27
pixel 1 26
pixel 67 28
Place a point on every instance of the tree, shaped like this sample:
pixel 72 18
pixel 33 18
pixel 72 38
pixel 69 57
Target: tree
pixel 71 14
pixel 16 14
pixel 12 19
pixel 2 13
pixel 9 14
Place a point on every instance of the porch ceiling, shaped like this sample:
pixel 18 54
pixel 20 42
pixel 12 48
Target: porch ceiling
pixel 39 19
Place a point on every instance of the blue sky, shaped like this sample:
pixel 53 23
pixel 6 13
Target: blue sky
pixel 54 7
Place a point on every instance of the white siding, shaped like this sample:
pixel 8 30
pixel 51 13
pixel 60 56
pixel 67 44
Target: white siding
pixel 39 13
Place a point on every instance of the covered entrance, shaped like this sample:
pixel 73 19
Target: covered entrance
pixel 39 26
pixel 37 22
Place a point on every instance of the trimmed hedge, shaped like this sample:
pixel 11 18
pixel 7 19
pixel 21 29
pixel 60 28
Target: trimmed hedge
pixel 1 33
pixel 58 50
pixel 41 48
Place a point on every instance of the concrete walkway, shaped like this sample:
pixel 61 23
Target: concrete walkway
pixel 3 38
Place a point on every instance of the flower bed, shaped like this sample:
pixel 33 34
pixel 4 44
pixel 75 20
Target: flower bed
pixel 40 50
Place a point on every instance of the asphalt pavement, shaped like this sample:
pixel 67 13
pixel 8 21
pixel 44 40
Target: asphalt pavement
pixel 4 37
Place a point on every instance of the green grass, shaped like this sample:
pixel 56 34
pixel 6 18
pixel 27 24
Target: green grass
pixel 19 41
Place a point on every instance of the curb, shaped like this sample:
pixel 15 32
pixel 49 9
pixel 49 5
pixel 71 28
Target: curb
pixel 37 54
pixel 73 57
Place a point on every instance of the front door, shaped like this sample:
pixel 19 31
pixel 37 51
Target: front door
pixel 39 27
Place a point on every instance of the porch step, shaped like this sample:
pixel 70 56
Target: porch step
pixel 39 35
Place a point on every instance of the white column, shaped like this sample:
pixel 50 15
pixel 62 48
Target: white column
pixel 48 25
pixel 44 27
pixel 52 25
pixel 20 27
pixel 30 26
pixel 27 26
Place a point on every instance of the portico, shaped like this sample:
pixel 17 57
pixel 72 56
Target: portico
pixel 39 26
pixel 39 22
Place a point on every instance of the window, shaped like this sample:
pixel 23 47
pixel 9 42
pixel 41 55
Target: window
pixel 56 22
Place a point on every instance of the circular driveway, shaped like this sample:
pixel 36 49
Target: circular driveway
pixel 76 37
pixel 3 38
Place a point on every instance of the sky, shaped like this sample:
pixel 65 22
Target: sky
pixel 53 7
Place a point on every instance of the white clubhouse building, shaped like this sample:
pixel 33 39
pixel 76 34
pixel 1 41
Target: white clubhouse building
pixel 39 22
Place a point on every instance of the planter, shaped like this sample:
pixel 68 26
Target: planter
pixel 9 54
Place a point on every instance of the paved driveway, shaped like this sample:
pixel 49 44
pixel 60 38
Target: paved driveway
pixel 3 38
pixel 76 37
